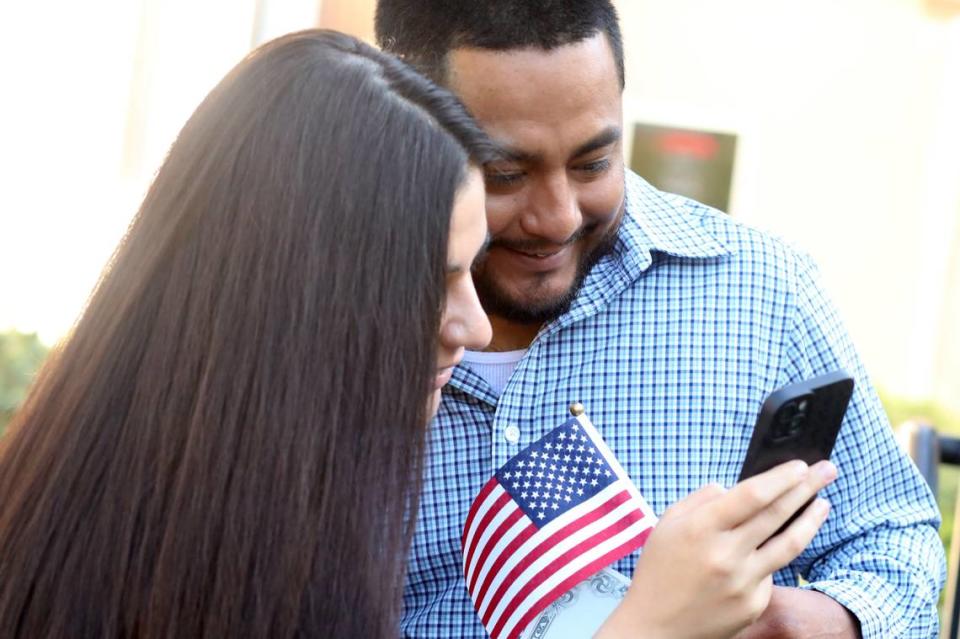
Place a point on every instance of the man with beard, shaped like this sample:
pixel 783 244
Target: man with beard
pixel 668 320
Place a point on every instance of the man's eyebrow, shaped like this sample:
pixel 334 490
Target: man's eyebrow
pixel 606 137
pixel 511 154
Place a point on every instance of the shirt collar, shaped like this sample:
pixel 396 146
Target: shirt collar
pixel 653 222
pixel 659 222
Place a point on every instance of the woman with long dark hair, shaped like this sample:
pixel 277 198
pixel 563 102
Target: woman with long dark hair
pixel 229 442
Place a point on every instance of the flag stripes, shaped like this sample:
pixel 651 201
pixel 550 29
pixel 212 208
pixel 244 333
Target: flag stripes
pixel 554 515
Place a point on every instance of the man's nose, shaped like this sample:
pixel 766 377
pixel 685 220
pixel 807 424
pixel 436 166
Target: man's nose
pixel 552 211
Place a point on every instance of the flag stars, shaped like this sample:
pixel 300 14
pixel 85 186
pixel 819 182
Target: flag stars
pixel 557 474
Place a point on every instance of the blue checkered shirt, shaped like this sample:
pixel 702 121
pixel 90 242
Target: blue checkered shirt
pixel 672 344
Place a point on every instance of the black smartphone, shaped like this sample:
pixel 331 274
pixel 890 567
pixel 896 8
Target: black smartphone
pixel 798 421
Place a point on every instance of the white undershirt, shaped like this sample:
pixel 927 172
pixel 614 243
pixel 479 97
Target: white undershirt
pixel 494 368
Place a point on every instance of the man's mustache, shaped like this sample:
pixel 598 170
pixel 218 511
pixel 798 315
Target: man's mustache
pixel 539 246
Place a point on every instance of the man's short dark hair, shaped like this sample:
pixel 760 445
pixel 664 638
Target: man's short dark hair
pixel 423 32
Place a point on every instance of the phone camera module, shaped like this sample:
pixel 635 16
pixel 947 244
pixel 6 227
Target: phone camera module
pixel 790 420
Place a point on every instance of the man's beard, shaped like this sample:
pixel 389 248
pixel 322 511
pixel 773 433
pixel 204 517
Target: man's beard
pixel 496 301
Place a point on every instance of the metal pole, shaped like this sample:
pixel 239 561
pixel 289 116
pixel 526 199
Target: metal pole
pixel 922 444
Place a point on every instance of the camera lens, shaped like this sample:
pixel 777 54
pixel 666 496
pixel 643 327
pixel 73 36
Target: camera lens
pixel 790 420
pixel 786 415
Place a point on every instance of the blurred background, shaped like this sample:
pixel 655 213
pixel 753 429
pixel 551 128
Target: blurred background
pixel 833 123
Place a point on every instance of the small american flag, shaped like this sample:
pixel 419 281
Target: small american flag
pixel 551 517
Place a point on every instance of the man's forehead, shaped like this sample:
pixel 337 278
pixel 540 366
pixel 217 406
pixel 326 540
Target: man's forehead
pixel 533 100
pixel 471 70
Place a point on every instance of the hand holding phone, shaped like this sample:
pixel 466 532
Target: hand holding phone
pixel 706 570
pixel 798 421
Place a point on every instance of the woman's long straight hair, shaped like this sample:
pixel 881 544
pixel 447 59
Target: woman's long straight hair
pixel 229 443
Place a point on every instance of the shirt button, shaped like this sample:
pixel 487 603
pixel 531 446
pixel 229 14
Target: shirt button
pixel 511 434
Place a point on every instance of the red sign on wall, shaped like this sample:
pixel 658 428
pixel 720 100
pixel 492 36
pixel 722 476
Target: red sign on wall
pixel 690 162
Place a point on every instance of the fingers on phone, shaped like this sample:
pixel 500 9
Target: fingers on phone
pixel 753 495
pixel 700 497
pixel 767 521
pixel 779 551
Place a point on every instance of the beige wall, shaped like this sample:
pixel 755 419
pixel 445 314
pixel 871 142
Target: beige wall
pixel 98 90
pixel 350 16
pixel 947 364
pixel 847 114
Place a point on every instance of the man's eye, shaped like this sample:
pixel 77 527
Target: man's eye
pixel 502 178
pixel 597 166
